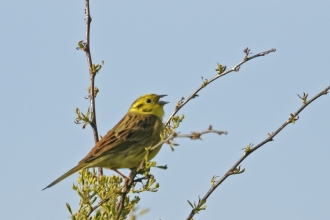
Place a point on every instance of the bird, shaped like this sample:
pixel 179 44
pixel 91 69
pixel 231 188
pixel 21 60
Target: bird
pixel 124 145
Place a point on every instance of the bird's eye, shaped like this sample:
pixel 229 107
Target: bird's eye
pixel 148 101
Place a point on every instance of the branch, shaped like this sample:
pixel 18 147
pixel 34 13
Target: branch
pixel 221 72
pixel 91 77
pixel 235 169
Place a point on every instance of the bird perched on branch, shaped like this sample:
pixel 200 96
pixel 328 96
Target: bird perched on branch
pixel 124 145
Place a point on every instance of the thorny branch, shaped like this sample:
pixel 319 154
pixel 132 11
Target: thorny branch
pixel 235 169
pixel 221 73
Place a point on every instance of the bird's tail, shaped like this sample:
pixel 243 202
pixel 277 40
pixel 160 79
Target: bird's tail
pixel 70 172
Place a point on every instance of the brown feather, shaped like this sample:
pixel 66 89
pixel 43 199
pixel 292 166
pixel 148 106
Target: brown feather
pixel 132 129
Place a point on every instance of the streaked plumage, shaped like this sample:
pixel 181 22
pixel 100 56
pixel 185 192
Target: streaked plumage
pixel 124 145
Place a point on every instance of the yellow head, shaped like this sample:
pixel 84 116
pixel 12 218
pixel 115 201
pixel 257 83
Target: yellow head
pixel 149 104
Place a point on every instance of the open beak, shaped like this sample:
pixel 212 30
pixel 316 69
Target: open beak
pixel 162 102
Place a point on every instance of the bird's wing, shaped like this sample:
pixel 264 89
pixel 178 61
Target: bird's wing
pixel 130 130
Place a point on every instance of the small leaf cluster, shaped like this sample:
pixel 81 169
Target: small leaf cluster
pixel 248 149
pixel 83 118
pixel 303 98
pixel 170 130
pixel 199 206
pixel 97 67
pixel 99 196
pixel 205 82
pixel 238 170
pixel 81 46
pixel 293 118
pixel 220 69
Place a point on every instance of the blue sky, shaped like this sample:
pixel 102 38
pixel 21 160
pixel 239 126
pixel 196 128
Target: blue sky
pixel 165 47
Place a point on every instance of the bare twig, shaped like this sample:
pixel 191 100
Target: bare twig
pixel 91 77
pixel 236 68
pixel 193 136
pixel 235 169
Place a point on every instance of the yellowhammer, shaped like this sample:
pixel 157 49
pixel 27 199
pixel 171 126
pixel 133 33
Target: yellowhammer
pixel 124 145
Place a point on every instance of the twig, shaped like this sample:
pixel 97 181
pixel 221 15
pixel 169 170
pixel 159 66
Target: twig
pixel 236 68
pixel 235 169
pixel 91 77
pixel 193 136
pixel 98 205
pixel 128 185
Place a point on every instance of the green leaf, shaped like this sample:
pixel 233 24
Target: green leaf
pixel 190 204
pixel 69 208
